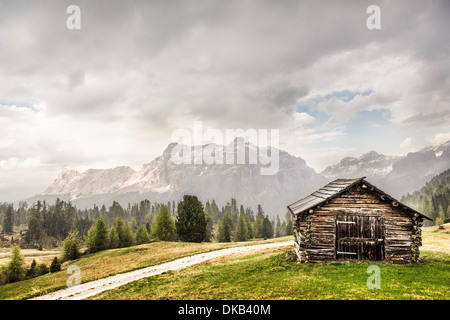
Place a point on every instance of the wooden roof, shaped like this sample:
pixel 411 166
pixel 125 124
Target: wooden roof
pixel 332 190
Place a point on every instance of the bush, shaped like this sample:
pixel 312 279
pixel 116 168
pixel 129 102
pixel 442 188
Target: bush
pixel 440 223
pixel 41 269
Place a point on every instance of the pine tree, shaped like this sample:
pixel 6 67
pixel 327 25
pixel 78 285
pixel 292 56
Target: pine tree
pixel 163 227
pixel 32 271
pixel 259 222
pixel 241 229
pixel 225 228
pixel 113 238
pixel 128 238
pixel 209 228
pixel 71 246
pixel 8 220
pixel 250 228
pixel 56 265
pixel 35 230
pixel 14 270
pixel 267 228
pixel 278 228
pixel 191 220
pixel 97 239
pixel 142 235
pixel 289 226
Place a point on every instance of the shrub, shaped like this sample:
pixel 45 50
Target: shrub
pixel 41 269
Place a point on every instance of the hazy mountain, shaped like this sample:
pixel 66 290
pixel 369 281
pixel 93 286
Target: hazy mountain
pixel 371 164
pixel 162 180
pixel 395 175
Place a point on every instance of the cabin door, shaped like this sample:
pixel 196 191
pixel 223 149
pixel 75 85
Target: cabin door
pixel 359 237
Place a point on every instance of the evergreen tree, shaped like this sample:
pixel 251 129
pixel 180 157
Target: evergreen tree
pixel 8 220
pixel 32 271
pixel 97 239
pixel 164 225
pixel 127 238
pixel 191 220
pixel 14 270
pixel 214 212
pixel 225 228
pixel 259 222
pixel 56 265
pixel 250 229
pixel 289 231
pixel 142 235
pixel 35 230
pixel 220 232
pixel 113 238
pixel 241 229
pixel 72 246
pixel 209 228
pixel 134 225
pixel 267 228
pixel 278 228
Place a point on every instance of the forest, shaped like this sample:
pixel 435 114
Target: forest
pixel 433 200
pixel 43 225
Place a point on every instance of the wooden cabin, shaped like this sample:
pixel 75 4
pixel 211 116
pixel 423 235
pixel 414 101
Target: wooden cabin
pixel 351 219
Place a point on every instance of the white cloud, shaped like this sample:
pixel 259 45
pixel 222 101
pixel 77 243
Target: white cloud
pixel 441 138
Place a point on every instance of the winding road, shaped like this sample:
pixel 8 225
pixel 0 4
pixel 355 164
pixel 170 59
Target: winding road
pixel 89 289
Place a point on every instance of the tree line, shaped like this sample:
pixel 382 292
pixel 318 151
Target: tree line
pixel 116 227
pixel 48 225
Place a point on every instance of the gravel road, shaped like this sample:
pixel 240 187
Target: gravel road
pixel 85 290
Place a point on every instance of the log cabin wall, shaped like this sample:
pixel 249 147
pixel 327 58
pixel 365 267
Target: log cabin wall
pixel 398 232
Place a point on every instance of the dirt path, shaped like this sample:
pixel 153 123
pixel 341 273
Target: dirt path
pixel 92 288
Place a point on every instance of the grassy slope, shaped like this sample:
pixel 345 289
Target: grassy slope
pixel 266 275
pixel 110 262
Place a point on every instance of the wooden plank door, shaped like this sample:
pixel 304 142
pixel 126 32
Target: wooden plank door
pixel 359 237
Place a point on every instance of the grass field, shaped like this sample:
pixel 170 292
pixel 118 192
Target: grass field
pixel 268 275
pixel 254 275
pixel 110 262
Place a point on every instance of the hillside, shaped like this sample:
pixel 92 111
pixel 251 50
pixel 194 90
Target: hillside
pixel 271 275
pixel 114 261
pixel 396 175
pixel 433 199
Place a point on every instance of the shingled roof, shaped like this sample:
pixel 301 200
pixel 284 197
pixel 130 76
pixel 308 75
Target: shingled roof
pixel 335 188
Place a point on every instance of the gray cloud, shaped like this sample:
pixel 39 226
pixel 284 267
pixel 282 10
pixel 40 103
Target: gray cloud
pixel 139 69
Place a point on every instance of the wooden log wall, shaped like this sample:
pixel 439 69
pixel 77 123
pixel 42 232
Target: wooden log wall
pixel 315 231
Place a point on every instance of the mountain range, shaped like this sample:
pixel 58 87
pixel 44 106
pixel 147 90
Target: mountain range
pixel 161 180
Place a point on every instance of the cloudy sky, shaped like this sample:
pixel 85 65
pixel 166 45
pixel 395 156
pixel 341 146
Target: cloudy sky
pixel 112 92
